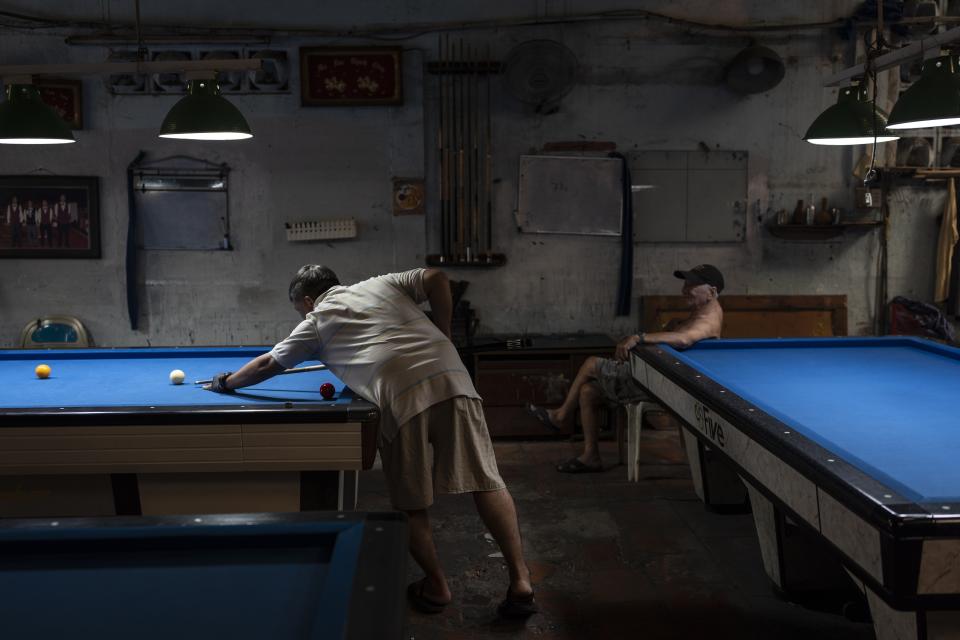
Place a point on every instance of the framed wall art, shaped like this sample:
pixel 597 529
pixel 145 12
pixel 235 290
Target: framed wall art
pixel 64 95
pixel 49 217
pixel 336 76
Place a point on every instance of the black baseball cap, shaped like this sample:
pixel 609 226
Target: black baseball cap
pixel 702 274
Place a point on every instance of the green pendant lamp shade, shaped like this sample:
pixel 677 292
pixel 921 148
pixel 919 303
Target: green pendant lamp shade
pixel 203 114
pixel 852 120
pixel 25 119
pixel 932 101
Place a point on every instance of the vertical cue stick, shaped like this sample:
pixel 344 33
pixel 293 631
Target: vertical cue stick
pixel 489 169
pixel 481 73
pixel 471 136
pixel 451 133
pixel 452 151
pixel 451 140
pixel 465 87
pixel 441 141
pixel 468 103
pixel 477 172
pixel 454 176
pixel 460 158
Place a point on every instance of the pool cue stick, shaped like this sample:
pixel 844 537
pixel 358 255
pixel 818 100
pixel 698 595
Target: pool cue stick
pixel 441 143
pixel 454 141
pixel 448 147
pixel 475 134
pixel 460 159
pixel 489 168
pixel 468 117
pixel 313 367
pixel 481 73
pixel 440 134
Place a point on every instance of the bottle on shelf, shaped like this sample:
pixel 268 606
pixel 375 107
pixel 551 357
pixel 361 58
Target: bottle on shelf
pixel 823 216
pixel 799 214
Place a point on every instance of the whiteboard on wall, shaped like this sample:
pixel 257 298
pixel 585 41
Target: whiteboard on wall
pixel 570 194
pixel 691 196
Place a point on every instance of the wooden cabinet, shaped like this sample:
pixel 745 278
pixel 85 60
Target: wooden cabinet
pixel 539 372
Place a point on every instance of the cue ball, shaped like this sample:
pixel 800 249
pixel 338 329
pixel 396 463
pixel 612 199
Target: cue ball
pixel 177 376
pixel 327 390
pixel 42 371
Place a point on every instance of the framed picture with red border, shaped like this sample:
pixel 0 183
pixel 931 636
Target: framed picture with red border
pixel 335 76
pixel 64 96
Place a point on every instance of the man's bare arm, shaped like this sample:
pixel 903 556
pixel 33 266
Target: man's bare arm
pixel 257 370
pixel 685 337
pixel 437 287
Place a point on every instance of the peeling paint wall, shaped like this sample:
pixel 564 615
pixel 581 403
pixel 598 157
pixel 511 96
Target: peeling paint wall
pixel 642 84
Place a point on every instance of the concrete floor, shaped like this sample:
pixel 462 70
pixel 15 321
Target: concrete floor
pixel 610 558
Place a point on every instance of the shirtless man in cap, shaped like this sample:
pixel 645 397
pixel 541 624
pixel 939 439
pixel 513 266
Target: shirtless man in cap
pixel 608 382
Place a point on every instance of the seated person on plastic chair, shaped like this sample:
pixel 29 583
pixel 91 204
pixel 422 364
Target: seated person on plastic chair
pixel 608 382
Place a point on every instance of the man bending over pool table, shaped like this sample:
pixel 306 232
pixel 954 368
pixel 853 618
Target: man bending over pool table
pixel 604 381
pixel 374 337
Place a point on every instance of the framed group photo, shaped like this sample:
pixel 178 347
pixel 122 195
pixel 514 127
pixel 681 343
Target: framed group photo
pixel 49 217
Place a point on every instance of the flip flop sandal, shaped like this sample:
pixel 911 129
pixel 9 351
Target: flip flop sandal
pixel 516 607
pixel 421 602
pixel 541 414
pixel 573 465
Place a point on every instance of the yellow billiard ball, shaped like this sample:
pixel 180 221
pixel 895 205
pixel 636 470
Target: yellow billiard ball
pixel 42 371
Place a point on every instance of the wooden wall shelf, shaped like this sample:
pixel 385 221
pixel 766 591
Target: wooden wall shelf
pixel 817 232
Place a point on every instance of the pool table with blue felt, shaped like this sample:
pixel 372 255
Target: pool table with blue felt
pixel 309 576
pixel 107 433
pixel 855 440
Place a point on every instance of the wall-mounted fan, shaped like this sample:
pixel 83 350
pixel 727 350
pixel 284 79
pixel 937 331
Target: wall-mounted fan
pixel 539 73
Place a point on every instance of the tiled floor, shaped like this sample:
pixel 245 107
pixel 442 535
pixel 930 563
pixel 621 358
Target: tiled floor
pixel 610 558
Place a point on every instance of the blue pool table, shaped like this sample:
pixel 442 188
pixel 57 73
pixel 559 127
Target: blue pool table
pixel 310 576
pixel 108 434
pixel 853 440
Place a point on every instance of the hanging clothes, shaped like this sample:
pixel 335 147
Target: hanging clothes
pixel 946 244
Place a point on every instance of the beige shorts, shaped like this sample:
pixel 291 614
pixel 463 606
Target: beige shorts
pixel 462 457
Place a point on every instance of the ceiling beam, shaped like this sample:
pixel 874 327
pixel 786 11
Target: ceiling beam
pixel 154 66
pixel 926 47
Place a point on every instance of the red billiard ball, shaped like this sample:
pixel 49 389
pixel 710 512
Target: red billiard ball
pixel 327 390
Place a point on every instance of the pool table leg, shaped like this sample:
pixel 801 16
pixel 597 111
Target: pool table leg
pixel 329 490
pixel 126 494
pixel 714 480
pixel 892 624
pixel 800 565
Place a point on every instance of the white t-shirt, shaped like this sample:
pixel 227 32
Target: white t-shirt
pixel 376 339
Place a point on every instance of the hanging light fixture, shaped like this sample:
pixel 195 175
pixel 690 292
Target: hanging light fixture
pixel 854 119
pixel 26 119
pixel 203 114
pixel 932 101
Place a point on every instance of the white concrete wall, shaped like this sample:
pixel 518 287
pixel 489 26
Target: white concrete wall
pixel 643 85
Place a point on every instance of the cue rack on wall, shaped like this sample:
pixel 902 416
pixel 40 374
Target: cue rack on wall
pixel 464 155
